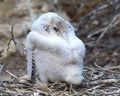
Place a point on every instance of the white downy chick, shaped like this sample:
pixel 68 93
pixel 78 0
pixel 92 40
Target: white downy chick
pixel 58 52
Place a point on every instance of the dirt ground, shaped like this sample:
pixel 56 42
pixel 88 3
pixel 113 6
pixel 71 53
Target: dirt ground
pixel 96 23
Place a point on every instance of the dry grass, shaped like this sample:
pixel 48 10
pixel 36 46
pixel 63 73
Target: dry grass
pixel 97 82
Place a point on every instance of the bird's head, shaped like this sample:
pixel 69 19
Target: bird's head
pixel 50 23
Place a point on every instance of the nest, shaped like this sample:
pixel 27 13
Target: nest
pixel 96 82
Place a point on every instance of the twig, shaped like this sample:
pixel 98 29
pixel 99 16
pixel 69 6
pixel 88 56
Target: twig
pixel 109 26
pixel 4 92
pixel 1 68
pixel 97 32
pixel 14 40
pixel 101 74
pixel 89 68
pixel 95 11
pixel 116 51
pixel 104 69
pixel 113 92
pixel 4 70
pixel 12 36
pixel 11 74
pixel 95 87
pixel 114 67
pixel 98 82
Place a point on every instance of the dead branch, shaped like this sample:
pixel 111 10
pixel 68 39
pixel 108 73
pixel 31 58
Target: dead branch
pixel 112 23
pixel 11 74
pixel 99 82
pixel 94 12
pixel 113 92
pixel 97 32
pixel 114 67
pixel 2 69
pixel 96 87
pixel 14 40
pixel 105 69
pixel 87 10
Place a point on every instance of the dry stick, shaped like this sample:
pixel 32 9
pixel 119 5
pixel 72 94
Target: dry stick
pixel 12 37
pixel 96 87
pixel 1 68
pixel 88 10
pixel 113 92
pixel 104 29
pixel 11 74
pixel 114 67
pixel 98 82
pixel 117 50
pixel 14 40
pixel 4 70
pixel 95 11
pixel 4 92
pixel 104 69
pixel 109 26
pixel 97 32
pixel 101 74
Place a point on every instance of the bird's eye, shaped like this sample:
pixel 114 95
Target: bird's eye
pixel 56 29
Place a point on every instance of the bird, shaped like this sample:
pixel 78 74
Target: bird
pixel 58 52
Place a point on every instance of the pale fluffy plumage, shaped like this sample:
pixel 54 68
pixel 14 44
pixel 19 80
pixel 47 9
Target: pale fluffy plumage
pixel 58 52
